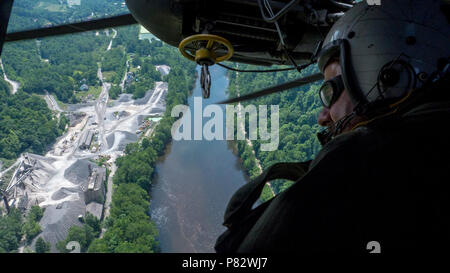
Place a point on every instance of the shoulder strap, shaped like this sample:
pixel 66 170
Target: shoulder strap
pixel 240 217
pixel 243 200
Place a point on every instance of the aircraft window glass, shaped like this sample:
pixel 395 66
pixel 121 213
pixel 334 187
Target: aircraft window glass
pixel 33 14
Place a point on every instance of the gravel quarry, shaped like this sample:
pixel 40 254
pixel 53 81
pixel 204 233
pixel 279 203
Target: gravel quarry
pixel 66 181
pixel 57 181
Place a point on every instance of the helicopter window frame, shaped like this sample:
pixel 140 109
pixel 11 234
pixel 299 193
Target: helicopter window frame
pixel 5 14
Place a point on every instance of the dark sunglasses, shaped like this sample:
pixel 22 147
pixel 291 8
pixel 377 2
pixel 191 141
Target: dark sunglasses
pixel 330 91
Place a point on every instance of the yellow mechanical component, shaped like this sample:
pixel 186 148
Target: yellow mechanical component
pixel 206 53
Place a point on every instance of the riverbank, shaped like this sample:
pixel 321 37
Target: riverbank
pixel 298 111
pixel 245 149
pixel 268 186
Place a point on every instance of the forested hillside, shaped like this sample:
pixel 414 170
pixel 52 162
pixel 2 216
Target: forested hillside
pixel 14 226
pixel 26 123
pixel 57 65
pixel 298 108
pixel 30 14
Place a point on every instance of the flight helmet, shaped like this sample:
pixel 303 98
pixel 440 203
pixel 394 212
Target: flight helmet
pixel 389 50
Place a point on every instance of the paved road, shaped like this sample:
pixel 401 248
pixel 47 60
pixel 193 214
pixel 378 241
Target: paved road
pixel 100 109
pixel 15 85
pixel 110 43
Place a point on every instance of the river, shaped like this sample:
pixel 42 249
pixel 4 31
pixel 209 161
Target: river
pixel 193 184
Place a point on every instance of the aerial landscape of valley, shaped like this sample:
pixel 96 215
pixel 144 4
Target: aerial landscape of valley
pixel 86 151
pixel 222 135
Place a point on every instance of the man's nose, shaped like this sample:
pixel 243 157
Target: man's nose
pixel 324 117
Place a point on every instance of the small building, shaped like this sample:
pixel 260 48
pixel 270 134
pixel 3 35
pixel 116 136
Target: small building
pixel 130 77
pixel 87 140
pixel 84 87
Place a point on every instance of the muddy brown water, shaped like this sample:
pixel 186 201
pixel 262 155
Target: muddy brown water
pixel 193 184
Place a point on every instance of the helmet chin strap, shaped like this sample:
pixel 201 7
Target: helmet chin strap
pixel 342 123
pixel 328 134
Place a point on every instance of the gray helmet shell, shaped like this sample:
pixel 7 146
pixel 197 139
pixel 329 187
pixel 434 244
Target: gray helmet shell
pixel 405 37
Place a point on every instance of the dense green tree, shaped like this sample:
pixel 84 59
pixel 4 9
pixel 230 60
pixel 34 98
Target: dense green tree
pixel 26 124
pixel 36 213
pixel 42 246
pixel 114 92
pixel 31 228
pixel 114 60
pixel 94 223
pixel 130 227
pixel 145 143
pixel 10 231
pixel 25 11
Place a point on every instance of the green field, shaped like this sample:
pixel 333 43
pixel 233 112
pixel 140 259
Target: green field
pixel 133 69
pixel 93 90
pixel 108 76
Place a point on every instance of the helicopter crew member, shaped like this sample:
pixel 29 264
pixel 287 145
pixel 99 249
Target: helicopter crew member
pixel 382 177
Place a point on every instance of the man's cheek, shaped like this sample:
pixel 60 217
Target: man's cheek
pixel 336 113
